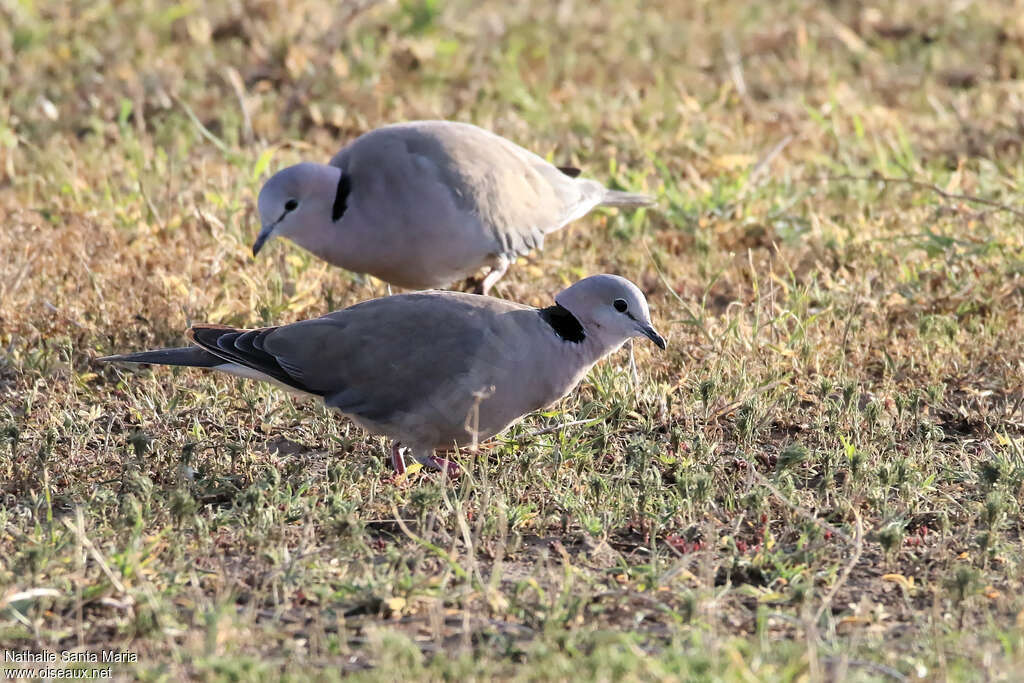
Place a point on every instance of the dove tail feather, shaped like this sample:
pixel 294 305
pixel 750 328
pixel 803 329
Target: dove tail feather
pixel 626 199
pixel 187 356
pixel 198 357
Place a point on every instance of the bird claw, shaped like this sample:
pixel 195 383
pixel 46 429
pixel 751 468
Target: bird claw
pixel 446 466
pixel 401 471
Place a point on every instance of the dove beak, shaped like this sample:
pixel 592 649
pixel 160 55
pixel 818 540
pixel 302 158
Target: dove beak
pixel 652 334
pixel 265 234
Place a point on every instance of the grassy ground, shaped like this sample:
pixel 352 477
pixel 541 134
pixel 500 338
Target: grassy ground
pixel 821 478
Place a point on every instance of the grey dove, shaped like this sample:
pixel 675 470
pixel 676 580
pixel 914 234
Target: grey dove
pixel 425 203
pixel 430 370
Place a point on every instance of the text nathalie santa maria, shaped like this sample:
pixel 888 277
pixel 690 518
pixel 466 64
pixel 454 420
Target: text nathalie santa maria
pixel 70 657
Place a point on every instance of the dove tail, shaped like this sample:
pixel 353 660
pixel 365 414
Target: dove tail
pixel 188 356
pixel 626 199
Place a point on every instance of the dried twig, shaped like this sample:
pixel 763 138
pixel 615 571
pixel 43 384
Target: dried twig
pixel 924 185
pixel 758 173
pixel 152 207
pixel 436 550
pixel 234 79
pixel 562 425
pixel 29 594
pixel 800 510
pixel 870 666
pixel 203 130
pixel 78 529
pixel 858 548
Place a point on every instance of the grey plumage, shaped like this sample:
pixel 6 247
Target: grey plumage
pixel 425 203
pixel 430 369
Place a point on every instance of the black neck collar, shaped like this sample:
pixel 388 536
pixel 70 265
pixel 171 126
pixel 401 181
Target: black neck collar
pixel 341 197
pixel 563 323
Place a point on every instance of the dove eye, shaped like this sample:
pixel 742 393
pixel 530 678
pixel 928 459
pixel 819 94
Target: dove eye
pixel 291 205
pixel 620 305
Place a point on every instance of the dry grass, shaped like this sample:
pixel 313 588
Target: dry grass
pixel 821 479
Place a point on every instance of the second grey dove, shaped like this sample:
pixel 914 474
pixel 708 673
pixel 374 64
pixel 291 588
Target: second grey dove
pixel 426 203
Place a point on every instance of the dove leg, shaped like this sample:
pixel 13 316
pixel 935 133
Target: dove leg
pixel 495 274
pixel 451 469
pixel 397 461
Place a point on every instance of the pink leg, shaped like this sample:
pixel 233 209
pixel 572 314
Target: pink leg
pixel 440 464
pixel 397 461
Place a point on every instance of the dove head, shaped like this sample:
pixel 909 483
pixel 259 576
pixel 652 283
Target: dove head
pixel 610 308
pixel 300 202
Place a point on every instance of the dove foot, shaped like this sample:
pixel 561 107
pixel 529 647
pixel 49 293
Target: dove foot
pixel 452 469
pixel 496 273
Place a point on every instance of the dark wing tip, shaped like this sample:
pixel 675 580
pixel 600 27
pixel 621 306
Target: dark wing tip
pixel 244 347
pixel 570 171
pixel 196 333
